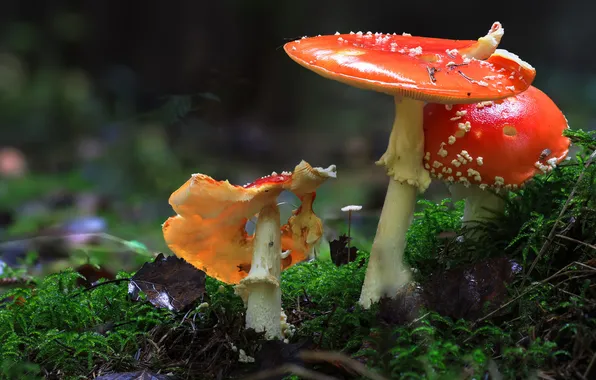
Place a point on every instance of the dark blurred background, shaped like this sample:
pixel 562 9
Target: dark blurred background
pixel 125 99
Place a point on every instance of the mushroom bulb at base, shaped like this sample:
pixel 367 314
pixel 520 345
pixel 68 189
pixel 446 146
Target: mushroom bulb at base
pixel 492 146
pixel 414 70
pixel 209 233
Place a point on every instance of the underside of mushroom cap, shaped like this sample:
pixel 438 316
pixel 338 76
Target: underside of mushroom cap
pixel 427 69
pixel 499 144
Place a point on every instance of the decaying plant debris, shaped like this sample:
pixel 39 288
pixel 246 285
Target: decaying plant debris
pixel 535 317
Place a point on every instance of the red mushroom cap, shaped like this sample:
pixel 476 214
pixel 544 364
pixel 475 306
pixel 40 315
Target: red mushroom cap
pixel 271 180
pixel 423 68
pixel 497 144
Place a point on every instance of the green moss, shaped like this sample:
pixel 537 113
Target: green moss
pixel 60 328
pixel 52 327
pixel 439 348
pixel 322 300
pixel 425 240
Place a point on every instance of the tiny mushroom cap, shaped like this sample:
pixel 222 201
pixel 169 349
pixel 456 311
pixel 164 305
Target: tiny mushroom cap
pixel 423 68
pixel 495 144
pixel 351 208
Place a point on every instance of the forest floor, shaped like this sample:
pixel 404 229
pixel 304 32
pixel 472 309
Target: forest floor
pixel 519 301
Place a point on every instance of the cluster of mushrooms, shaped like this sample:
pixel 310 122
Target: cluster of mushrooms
pixel 465 113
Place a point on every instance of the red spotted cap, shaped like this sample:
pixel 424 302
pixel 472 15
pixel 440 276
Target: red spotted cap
pixel 428 69
pixel 497 144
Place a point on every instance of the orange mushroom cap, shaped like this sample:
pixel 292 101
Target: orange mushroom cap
pixel 209 230
pixel 206 197
pixel 499 144
pixel 423 68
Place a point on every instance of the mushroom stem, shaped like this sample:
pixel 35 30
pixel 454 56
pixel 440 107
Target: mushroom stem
pixel 261 286
pixel 349 233
pixel 386 272
pixel 405 151
pixel 481 205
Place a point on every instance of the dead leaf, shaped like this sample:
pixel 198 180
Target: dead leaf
pixel 274 353
pixel 467 291
pixel 340 254
pixel 92 274
pixel 169 282
pixel 403 308
pixel 463 292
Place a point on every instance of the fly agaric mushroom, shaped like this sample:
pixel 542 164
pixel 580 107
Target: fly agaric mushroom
pixel 209 232
pixel 260 290
pixel 493 145
pixel 414 70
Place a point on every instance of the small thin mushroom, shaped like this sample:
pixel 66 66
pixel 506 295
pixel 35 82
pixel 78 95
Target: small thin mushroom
pixel 349 209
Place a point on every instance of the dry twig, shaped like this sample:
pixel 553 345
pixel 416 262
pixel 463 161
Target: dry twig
pixel 576 241
pixel 560 272
pixel 290 369
pixel 589 368
pixel 314 356
pixel 333 356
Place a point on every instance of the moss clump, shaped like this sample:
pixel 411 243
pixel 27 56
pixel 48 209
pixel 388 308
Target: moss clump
pixel 435 347
pixel 321 299
pixel 65 331
pixel 59 329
